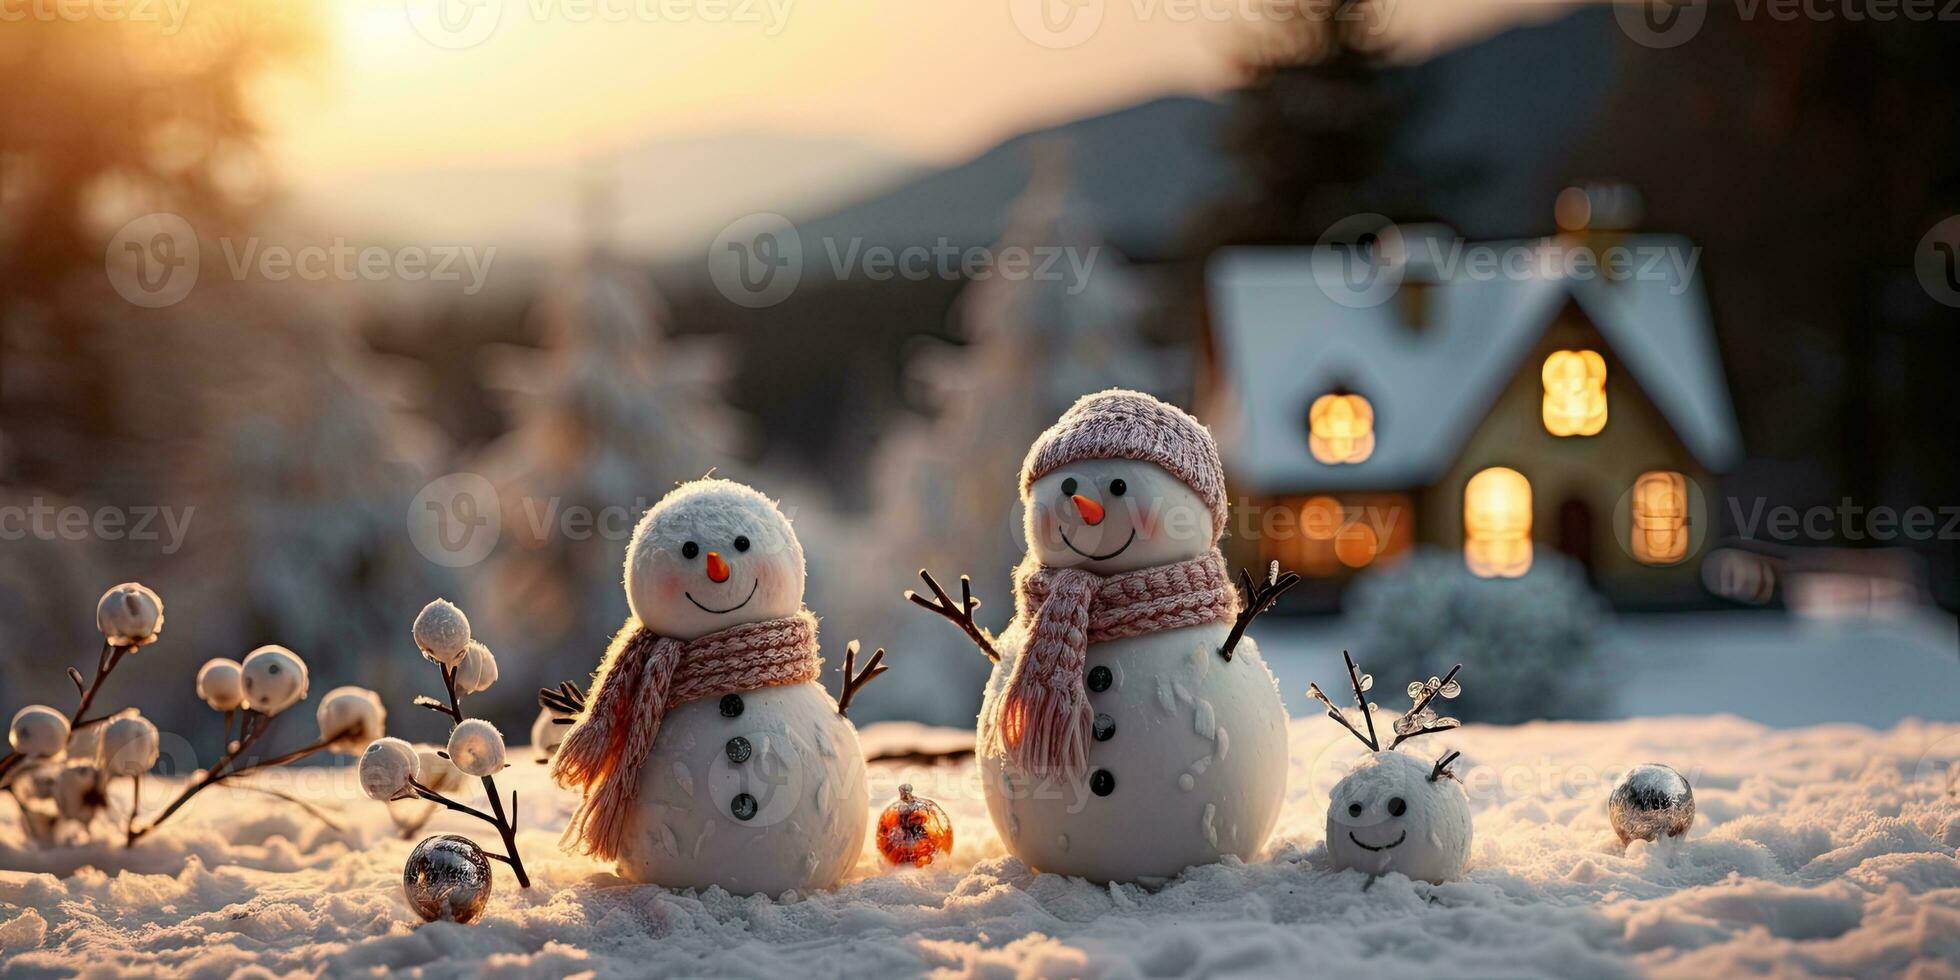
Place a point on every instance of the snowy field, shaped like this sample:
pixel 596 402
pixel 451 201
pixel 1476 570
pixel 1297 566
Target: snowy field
pixel 1824 850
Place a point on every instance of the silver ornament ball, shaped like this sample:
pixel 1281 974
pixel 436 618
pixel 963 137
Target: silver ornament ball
pixel 447 877
pixel 1649 802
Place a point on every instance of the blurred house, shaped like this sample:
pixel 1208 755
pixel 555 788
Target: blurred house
pixel 1496 398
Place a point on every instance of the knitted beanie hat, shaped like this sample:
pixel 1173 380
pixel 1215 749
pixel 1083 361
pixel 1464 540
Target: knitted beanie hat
pixel 1120 424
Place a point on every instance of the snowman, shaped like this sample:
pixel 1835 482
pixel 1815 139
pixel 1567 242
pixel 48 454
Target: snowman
pixel 708 753
pixel 1130 729
pixel 1395 812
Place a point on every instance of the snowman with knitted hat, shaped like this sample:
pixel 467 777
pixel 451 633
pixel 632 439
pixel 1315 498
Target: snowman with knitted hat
pixel 1130 728
pixel 708 752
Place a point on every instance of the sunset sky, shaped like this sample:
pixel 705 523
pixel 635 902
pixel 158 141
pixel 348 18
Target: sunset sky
pixel 923 79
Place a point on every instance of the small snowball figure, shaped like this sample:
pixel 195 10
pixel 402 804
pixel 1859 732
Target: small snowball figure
pixel 388 766
pixel 1395 812
pixel 709 753
pixel 129 615
pixel 130 746
pixel 1130 729
pixel 477 747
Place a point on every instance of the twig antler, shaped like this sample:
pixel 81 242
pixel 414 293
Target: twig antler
pixel 1361 683
pixel 960 615
pixel 855 680
pixel 1258 599
pixel 1420 720
pixel 1442 767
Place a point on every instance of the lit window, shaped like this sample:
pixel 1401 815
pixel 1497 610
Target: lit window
pixel 1660 517
pixel 1321 518
pixel 1575 393
pixel 1341 428
pixel 1497 523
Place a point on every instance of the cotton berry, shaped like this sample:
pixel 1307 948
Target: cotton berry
pixel 442 632
pixel 129 746
pixel 477 670
pixel 275 679
pixel 352 717
pixel 477 747
pixel 129 615
pixel 387 767
pixel 221 684
pixel 38 730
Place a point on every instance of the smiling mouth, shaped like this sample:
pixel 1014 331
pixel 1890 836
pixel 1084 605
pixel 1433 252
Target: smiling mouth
pixel 730 609
pixel 1384 847
pixel 1079 551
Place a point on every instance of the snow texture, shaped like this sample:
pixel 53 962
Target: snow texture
pixel 1826 850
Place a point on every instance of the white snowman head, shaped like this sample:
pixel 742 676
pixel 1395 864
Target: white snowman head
pixel 1394 811
pixel 1122 481
pixel 711 555
pixel 1397 812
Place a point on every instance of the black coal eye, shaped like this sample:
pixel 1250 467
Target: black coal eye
pixel 1117 488
pixel 742 543
pixel 690 549
pixel 1354 809
pixel 1396 807
pixel 1068 487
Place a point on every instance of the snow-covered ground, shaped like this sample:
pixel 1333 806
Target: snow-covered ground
pixel 1824 850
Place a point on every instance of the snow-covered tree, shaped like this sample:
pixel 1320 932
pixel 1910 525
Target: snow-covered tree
pixel 945 493
pixel 606 417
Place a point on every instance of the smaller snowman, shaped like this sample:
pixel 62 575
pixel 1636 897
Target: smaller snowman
pixel 1395 812
pixel 708 753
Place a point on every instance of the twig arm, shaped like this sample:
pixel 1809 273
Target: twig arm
pixel 960 615
pixel 1258 599
pixel 855 680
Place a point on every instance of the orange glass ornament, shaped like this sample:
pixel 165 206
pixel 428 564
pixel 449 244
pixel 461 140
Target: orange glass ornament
pixel 914 830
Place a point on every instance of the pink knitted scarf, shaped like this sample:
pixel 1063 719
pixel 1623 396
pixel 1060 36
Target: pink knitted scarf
pixel 642 677
pixel 1042 721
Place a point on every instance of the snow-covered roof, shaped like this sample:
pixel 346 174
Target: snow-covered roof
pixel 1283 341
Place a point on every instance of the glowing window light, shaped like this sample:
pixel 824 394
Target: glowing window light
pixel 1341 428
pixel 1497 523
pixel 1575 393
pixel 1660 517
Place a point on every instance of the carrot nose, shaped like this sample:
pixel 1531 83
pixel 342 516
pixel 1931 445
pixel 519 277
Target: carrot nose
pixel 717 569
pixel 1092 512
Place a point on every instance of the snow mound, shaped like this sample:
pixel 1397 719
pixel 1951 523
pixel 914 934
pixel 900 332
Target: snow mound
pixel 1818 851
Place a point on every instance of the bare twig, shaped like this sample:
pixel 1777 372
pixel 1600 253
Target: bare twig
pixel 960 615
pixel 227 769
pixel 1258 599
pixel 1361 701
pixel 1442 767
pixel 1421 703
pixel 105 663
pixel 315 812
pixel 854 681
pixel 506 826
